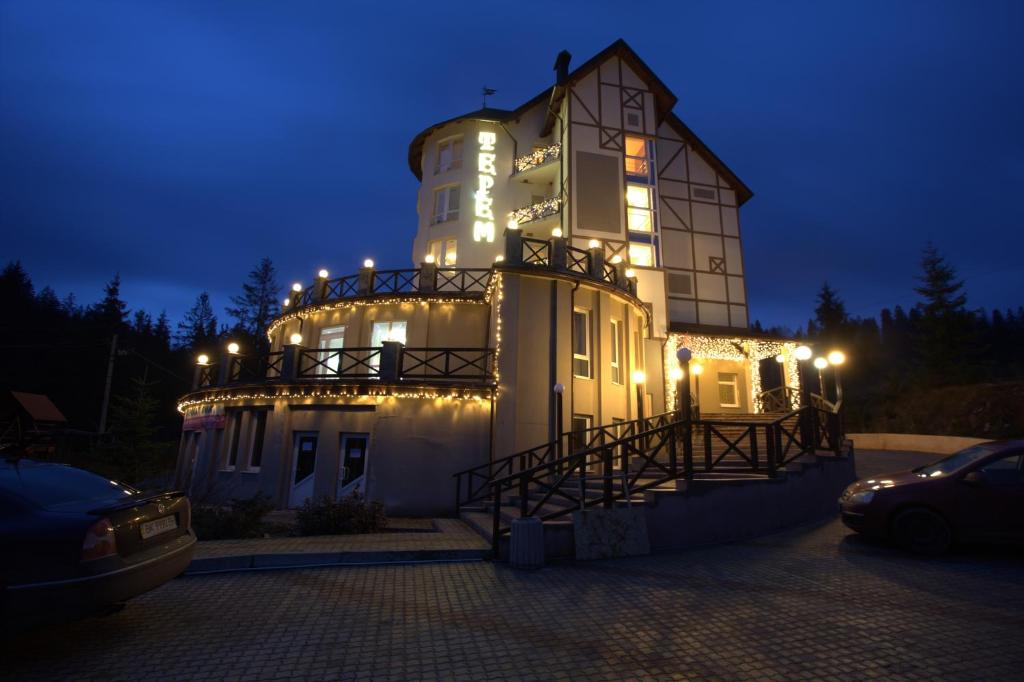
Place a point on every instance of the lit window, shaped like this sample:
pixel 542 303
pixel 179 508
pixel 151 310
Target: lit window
pixel 393 330
pixel 443 251
pixel 449 155
pixel 581 343
pixel 332 340
pixel 641 254
pixel 637 157
pixel 728 389
pixel 638 208
pixel 616 363
pixel 446 204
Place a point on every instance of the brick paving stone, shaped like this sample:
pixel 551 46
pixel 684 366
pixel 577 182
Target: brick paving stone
pixel 813 603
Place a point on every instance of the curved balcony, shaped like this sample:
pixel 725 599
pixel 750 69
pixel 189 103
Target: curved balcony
pixel 429 279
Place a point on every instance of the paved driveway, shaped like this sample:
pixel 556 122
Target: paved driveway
pixel 807 604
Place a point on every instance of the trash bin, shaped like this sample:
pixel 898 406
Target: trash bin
pixel 526 547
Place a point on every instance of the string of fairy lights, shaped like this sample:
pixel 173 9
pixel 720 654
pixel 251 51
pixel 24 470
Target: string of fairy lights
pixel 744 350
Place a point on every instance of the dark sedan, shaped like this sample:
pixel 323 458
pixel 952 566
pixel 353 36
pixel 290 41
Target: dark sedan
pixel 975 495
pixel 73 542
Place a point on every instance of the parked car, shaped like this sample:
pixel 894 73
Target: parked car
pixel 73 542
pixel 975 495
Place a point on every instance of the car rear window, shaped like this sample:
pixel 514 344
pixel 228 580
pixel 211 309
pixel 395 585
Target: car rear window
pixel 52 485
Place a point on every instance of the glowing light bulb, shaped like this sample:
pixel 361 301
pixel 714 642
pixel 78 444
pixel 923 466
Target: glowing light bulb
pixel 802 353
pixel 323 273
pixel 513 225
pixel 428 259
pixel 696 369
pixel 639 376
pixel 233 348
pixel 630 273
pixel 203 359
pixel 287 302
pixel 675 374
pixel 780 358
pixel 556 232
pixel 820 363
pixel 368 263
pixel 499 258
pixel 296 287
pixel 594 244
pixel 616 259
pixel 836 357
pixel 296 338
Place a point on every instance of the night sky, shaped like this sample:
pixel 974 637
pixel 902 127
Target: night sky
pixel 179 142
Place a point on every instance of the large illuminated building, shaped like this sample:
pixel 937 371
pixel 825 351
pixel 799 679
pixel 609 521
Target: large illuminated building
pixel 578 240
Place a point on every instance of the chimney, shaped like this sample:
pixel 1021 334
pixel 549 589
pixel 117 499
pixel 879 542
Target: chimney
pixel 562 67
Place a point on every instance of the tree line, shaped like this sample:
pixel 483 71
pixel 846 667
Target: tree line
pixel 937 367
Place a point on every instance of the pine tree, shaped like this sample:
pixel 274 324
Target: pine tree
pixel 162 332
pixel 112 311
pixel 944 326
pixel 256 305
pixel 198 329
pixel 830 317
pixel 143 323
pixel 135 452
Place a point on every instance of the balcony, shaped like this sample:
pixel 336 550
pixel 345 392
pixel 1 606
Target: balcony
pixel 539 166
pixel 538 214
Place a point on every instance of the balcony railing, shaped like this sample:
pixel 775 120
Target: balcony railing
pixel 391 363
pixel 369 282
pixel 538 157
pixel 556 254
pixel 542 209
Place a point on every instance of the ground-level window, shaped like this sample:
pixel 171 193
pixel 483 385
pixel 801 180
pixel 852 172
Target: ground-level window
pixel 581 343
pixel 581 424
pixel 443 251
pixel 259 432
pixel 236 435
pixel 728 389
pixel 332 340
pixel 446 204
pixel 616 361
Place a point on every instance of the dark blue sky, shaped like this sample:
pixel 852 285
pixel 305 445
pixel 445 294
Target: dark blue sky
pixel 179 142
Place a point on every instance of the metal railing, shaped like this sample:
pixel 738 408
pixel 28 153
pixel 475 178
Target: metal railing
pixel 542 209
pixel 538 157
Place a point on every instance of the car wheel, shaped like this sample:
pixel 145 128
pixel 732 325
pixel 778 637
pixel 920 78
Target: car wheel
pixel 922 531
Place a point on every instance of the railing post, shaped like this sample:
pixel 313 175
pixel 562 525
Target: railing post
pixel 688 449
pixel 197 375
pixel 621 280
pixel 390 367
pixel 754 462
pixel 428 278
pixel 290 361
pixel 224 369
pixel 364 287
pixel 707 447
pixel 513 247
pixel 320 290
pixel 673 466
pixel 523 489
pixel 596 262
pixel 559 254
pixel 496 517
pixel 769 434
pixel 458 493
pixel 606 457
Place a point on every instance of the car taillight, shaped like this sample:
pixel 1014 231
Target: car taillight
pixel 99 541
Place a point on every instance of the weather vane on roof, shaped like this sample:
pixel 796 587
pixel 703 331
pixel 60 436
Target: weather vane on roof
pixel 487 91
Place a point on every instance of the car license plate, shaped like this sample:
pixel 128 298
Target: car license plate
pixel 151 528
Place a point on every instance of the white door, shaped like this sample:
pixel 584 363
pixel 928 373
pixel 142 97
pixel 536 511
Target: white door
pixel 352 464
pixel 332 340
pixel 303 467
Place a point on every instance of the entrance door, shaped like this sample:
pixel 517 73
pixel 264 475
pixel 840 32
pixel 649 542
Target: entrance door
pixel 352 472
pixel 304 467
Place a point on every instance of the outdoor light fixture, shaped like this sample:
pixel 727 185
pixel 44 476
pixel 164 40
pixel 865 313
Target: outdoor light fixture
pixel 820 363
pixel 203 359
pixel 499 258
pixel 780 358
pixel 233 348
pixel 696 369
pixel 616 259
pixel 802 353
pixel 368 263
pixel 558 388
pixel 630 273
pixel 428 259
pixel 684 355
pixel 323 273
pixel 675 374
pixel 594 244
pixel 638 376
pixel 513 225
pixel 295 338
pixel 836 357
pixel 287 302
pixel 556 232
pixel 296 287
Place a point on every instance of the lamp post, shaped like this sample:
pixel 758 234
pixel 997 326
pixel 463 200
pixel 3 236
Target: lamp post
pixel 837 358
pixel 682 375
pixel 558 389
pixel 639 378
pixel 820 364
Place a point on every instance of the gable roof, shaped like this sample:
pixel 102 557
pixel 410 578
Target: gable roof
pixel 39 407
pixel 664 99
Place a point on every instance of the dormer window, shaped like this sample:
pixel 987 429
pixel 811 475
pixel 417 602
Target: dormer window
pixel 449 155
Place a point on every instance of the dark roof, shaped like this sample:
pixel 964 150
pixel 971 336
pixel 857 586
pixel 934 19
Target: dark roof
pixel 664 101
pixel 717 330
pixel 39 407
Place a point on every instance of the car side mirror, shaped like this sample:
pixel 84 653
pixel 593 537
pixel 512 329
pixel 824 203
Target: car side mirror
pixel 974 478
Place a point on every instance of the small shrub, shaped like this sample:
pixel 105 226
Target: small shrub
pixel 349 515
pixel 240 518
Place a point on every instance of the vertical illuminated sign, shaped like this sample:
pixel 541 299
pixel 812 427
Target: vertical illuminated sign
pixel 483 226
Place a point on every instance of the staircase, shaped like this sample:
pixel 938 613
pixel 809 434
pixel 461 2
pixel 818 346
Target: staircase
pixel 623 461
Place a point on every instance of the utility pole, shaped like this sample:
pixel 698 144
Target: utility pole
pixel 106 389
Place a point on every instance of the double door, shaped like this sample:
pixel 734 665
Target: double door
pixel 306 461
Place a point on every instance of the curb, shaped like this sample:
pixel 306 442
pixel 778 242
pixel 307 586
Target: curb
pixel 269 562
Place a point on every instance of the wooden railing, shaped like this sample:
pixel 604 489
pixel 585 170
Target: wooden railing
pixel 447 364
pixel 254 368
pixel 778 399
pixel 343 363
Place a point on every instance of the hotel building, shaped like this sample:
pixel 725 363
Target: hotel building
pixel 566 250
